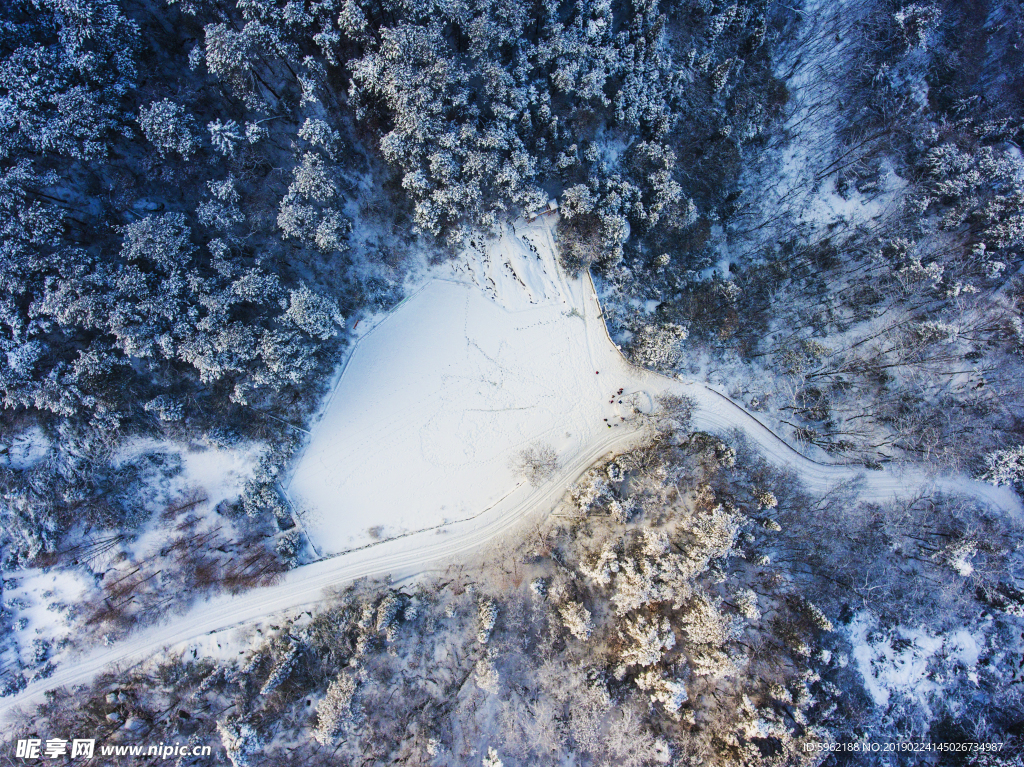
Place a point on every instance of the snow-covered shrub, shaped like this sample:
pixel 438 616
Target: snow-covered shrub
pixel 746 604
pixel 599 568
pixel 712 450
pixel 491 759
pixel 914 22
pixel 815 615
pixel 675 411
pixel 958 554
pixel 170 128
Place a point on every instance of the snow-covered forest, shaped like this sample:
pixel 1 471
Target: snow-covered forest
pixel 814 211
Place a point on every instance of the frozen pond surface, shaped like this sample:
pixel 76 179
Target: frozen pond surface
pixel 439 397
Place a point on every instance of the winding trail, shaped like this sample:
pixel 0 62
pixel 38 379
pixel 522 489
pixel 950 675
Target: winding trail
pixel 435 548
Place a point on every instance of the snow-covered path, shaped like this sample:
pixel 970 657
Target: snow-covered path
pixel 580 367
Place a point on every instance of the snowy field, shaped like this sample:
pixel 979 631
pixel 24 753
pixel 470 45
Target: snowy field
pixel 498 353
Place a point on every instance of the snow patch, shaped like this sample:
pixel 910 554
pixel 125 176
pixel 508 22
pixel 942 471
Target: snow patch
pixel 25 449
pixel 910 662
pixel 220 472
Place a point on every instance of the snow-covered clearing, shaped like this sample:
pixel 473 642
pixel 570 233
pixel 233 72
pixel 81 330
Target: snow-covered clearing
pixel 212 472
pixel 439 397
pixel 430 451
pixel 47 605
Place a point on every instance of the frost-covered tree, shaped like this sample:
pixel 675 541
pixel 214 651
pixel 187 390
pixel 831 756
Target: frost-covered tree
pixel 387 615
pixel 308 211
pixel 319 134
pixel 536 463
pixel 170 128
pixel 670 693
pixel 1005 467
pixel 234 55
pixel 486 676
pixel 281 671
pixel 315 314
pixel 334 711
pixel 576 619
pixel 645 640
pixel 224 135
pixel 487 615
pixel 166 408
pixel 658 346
pixel 588 490
pixel 240 739
pixel 707 631
pixel 65 67
pixel 220 211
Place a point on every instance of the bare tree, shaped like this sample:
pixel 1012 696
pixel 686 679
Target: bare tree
pixel 536 463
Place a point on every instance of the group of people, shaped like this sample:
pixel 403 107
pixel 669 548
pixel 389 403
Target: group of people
pixel 612 402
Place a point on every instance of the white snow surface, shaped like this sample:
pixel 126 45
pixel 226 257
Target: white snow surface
pixel 503 354
pixel 25 449
pixel 430 448
pixel 917 666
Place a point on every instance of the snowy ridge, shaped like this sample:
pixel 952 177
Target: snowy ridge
pixel 526 298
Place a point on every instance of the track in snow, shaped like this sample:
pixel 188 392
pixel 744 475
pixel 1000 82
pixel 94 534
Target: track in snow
pixel 437 546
